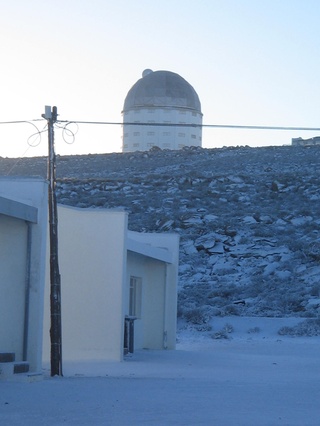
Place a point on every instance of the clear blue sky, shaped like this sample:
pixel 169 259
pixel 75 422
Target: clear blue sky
pixel 252 62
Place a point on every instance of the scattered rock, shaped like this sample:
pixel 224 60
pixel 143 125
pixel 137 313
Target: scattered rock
pixel 247 218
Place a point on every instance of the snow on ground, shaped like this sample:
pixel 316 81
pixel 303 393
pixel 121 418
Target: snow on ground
pixel 248 219
pixel 253 377
pixel 249 229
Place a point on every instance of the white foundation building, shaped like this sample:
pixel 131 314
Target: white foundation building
pixel 118 287
pixel 165 98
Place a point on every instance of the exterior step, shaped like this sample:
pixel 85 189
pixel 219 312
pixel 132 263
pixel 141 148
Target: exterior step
pixel 7 357
pixel 6 370
pixel 12 370
pixel 26 377
pixel 20 367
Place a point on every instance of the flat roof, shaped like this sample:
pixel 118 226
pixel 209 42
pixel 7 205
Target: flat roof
pixel 18 210
pixel 148 250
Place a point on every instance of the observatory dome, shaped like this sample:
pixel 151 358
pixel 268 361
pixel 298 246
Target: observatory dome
pixel 161 110
pixel 162 89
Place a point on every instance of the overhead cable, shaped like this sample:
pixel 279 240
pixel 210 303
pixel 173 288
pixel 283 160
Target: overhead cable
pixel 217 126
pixel 221 126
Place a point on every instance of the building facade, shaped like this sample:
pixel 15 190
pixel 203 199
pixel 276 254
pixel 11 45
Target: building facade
pixel 23 230
pixel 305 142
pixel 161 110
pixel 110 276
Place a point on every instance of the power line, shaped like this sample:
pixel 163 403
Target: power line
pixel 217 126
pixel 21 121
pixel 235 126
pixel 221 126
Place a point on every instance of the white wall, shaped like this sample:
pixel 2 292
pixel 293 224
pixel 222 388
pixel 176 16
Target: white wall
pixel 155 291
pixel 31 192
pixel 142 138
pixel 92 259
pixel 157 266
pixel 149 329
pixel 95 268
pixel 13 268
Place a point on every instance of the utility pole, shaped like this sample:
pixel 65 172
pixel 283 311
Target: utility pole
pixel 55 282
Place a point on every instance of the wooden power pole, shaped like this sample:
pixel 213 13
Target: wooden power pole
pixel 55 281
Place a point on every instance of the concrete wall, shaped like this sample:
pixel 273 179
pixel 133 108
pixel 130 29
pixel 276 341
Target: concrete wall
pixel 22 266
pixel 149 329
pixel 143 138
pixel 92 259
pixel 305 142
pixel 97 256
pixel 13 268
pixel 157 266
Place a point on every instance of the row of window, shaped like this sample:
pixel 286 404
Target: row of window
pixel 162 122
pixel 165 111
pixel 180 134
pixel 150 145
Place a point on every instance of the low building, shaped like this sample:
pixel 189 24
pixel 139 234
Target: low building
pixel 112 278
pixel 118 287
pixel 23 232
pixel 305 142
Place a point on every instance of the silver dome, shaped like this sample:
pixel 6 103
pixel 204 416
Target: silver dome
pixel 162 89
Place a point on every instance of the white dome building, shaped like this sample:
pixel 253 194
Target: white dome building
pixel 161 97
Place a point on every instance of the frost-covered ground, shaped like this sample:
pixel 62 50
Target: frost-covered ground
pixel 248 219
pixel 254 377
pixel 249 291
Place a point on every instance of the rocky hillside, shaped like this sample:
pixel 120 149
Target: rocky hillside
pixel 248 220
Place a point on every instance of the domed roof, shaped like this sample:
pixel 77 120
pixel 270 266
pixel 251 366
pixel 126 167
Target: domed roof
pixel 162 89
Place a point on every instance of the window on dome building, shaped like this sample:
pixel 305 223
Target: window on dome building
pixel 136 133
pixel 136 145
pixel 193 137
pixel 181 135
pixel 150 133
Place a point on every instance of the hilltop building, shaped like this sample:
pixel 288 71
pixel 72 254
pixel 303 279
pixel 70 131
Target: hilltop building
pixel 305 142
pixel 161 97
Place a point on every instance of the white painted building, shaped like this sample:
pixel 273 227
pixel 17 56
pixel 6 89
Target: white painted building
pixel 23 232
pixel 109 276
pixel 305 142
pixel 161 97
pixel 152 267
